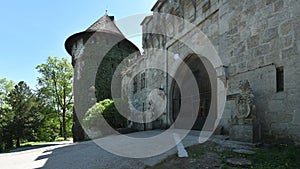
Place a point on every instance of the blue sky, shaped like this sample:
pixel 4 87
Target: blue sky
pixel 32 30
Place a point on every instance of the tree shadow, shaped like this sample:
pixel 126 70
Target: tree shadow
pixel 90 155
pixel 81 155
pixel 21 149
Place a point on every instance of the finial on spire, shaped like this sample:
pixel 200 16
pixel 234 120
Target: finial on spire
pixel 106 10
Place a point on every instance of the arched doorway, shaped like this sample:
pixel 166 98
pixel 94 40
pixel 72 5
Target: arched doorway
pixel 201 75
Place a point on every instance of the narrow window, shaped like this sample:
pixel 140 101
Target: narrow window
pixel 135 84
pixel 143 80
pixel 143 107
pixel 279 79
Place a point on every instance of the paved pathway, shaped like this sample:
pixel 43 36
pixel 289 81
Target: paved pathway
pixel 86 155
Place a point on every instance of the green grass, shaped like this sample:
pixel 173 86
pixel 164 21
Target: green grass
pixel 34 143
pixel 30 143
pixel 61 139
pixel 198 151
pixel 278 157
pixel 281 156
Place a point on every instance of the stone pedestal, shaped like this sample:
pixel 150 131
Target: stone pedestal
pixel 247 130
pixel 241 133
pixel 244 123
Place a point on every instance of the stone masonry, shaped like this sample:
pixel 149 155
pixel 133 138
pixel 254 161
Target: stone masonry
pixel 257 40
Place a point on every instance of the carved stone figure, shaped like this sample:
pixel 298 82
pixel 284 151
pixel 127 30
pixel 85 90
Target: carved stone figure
pixel 245 125
pixel 245 100
pixel 245 108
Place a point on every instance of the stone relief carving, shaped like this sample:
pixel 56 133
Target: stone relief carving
pixel 245 124
pixel 245 107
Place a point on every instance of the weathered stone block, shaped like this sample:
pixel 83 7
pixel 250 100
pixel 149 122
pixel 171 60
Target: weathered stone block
pixel 241 133
pixel 286 27
pixel 278 18
pixel 253 41
pixel 232 70
pixel 270 34
pixel 242 67
pixel 279 129
pixel 278 5
pixel 272 57
pixel 251 64
pixel 289 53
pixel 239 162
pixel 278 117
pixel 261 61
pixel 262 50
pixel 288 41
pixel 296 117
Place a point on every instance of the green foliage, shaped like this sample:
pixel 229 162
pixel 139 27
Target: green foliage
pixel 55 87
pixel 24 118
pixel 5 87
pixel 110 63
pixel 94 117
pixel 51 124
pixel 43 115
pixel 5 113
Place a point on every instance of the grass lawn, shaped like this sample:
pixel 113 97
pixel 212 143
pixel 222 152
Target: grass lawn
pixel 37 143
pixel 30 143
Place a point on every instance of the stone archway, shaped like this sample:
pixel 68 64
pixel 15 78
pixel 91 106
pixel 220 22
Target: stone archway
pixel 201 75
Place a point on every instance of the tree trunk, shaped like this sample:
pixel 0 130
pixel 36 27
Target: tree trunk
pixel 18 142
pixel 60 129
pixel 64 124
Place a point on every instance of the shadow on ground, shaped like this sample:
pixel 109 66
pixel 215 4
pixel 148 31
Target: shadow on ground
pixel 90 155
pixel 31 147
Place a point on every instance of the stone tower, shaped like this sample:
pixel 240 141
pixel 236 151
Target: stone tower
pixel 96 53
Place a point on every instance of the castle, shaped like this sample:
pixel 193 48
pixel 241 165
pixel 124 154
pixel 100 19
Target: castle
pixel 242 55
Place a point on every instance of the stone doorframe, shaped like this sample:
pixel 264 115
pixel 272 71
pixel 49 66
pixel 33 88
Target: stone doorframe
pixel 209 124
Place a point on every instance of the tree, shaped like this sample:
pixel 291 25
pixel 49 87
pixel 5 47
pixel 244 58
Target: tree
pixel 25 114
pixel 56 83
pixel 5 87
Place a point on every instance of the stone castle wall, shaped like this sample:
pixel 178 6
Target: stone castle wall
pixel 253 40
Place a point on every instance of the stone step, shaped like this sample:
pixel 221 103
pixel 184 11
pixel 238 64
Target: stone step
pixel 243 151
pixel 239 162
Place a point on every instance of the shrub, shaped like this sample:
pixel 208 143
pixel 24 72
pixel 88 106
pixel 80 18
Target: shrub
pixel 94 117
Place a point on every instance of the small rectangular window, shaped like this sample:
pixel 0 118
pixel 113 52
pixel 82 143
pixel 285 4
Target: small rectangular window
pixel 143 107
pixel 279 79
pixel 143 80
pixel 135 84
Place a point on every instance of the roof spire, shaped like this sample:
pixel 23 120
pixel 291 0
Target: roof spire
pixel 106 10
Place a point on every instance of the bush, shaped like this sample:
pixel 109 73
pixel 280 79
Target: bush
pixel 94 117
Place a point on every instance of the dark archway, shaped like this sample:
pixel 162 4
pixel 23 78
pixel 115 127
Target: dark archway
pixel 203 104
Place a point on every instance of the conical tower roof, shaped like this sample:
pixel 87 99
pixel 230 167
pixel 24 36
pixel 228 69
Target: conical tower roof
pixel 105 24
